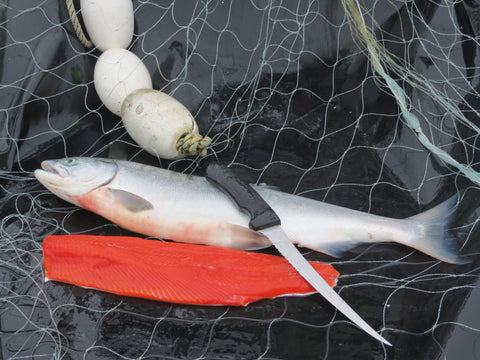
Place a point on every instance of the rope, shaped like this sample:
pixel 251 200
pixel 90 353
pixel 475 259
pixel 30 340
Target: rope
pixel 379 55
pixel 193 144
pixel 76 24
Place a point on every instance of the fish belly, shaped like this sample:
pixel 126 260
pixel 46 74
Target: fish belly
pixel 179 220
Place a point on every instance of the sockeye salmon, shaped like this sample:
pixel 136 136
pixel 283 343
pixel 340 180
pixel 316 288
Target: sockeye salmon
pixel 169 205
pixel 173 272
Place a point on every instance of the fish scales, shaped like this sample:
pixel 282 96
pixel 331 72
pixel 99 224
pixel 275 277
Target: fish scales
pixel 169 205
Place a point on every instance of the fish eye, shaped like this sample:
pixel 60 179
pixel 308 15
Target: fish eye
pixel 70 162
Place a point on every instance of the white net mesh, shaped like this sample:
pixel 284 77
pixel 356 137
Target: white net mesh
pixel 293 93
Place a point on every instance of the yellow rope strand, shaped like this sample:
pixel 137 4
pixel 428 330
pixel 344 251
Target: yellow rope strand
pixel 193 144
pixel 76 24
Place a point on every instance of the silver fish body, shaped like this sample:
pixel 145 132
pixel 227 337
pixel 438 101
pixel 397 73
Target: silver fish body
pixel 169 205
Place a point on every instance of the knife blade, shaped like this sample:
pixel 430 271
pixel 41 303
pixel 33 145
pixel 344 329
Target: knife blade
pixel 264 219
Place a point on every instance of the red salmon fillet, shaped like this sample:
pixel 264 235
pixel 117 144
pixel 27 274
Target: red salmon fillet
pixel 173 272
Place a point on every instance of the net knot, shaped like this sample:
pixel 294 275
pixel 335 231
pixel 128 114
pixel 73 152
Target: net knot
pixel 193 144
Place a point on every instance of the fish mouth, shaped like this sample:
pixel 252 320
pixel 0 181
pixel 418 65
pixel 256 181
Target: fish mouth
pixel 51 175
pixel 56 170
pixel 56 179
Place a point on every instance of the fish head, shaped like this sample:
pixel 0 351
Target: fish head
pixel 73 177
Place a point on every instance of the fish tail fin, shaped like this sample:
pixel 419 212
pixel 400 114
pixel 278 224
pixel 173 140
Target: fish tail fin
pixel 434 238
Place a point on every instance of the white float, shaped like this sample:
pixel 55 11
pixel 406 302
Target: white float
pixel 109 23
pixel 156 121
pixel 119 72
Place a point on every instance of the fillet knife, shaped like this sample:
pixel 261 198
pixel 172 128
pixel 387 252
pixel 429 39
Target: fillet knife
pixel 266 221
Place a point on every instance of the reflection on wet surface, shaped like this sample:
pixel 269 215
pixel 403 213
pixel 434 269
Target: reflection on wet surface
pixel 289 100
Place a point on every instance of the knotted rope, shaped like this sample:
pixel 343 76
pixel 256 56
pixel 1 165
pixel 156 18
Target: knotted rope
pixel 193 144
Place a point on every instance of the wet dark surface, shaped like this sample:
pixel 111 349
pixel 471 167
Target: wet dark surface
pixel 289 100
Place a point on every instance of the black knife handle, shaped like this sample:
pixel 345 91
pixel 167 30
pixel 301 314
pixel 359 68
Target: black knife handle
pixel 261 214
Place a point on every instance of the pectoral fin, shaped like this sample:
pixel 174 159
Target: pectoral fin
pixel 130 201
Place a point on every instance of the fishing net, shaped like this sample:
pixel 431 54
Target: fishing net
pixel 370 105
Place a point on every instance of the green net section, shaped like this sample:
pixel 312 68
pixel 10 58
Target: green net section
pixel 372 105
